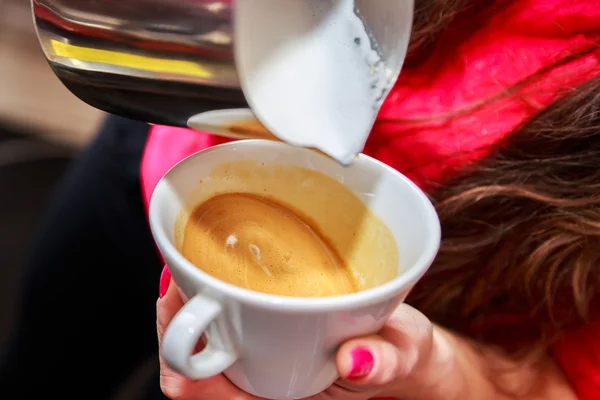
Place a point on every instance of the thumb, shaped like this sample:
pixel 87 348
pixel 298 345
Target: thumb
pixel 401 346
pixel 372 361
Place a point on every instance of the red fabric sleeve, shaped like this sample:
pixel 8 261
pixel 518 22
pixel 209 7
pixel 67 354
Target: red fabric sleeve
pixel 578 355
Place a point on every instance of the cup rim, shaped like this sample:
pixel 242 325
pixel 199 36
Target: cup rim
pixel 264 300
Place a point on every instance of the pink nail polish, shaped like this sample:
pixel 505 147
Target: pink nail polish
pixel 165 281
pixel 362 363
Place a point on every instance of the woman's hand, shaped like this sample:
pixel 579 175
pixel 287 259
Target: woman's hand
pixel 395 363
pixel 410 359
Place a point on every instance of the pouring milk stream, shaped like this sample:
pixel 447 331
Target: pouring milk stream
pixel 312 73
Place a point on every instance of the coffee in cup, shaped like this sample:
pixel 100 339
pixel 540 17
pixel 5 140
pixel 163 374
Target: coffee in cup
pixel 258 244
pixel 292 232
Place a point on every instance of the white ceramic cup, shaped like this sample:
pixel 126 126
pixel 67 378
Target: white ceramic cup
pixel 280 347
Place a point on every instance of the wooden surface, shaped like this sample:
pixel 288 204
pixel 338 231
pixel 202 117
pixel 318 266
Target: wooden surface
pixel 30 94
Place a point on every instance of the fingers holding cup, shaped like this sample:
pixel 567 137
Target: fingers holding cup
pixel 173 385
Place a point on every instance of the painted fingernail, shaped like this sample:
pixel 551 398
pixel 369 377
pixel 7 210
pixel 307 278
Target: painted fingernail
pixel 362 363
pixel 165 281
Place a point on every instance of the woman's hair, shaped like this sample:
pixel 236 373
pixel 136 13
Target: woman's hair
pixel 520 252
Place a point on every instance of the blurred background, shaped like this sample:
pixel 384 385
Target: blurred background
pixel 43 127
pixel 31 97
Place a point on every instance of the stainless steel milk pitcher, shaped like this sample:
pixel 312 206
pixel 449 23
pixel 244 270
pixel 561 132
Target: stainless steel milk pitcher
pixel 165 61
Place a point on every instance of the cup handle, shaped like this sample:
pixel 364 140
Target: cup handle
pixel 182 335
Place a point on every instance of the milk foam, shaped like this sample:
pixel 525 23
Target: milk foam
pixel 311 72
